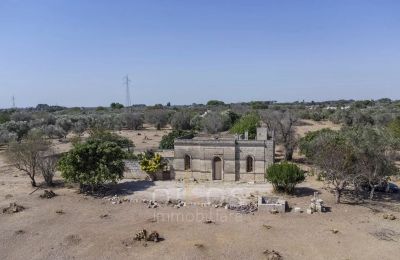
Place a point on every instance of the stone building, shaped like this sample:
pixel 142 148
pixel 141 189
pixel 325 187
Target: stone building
pixel 233 159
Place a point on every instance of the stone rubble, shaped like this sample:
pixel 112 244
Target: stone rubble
pixel 13 208
pixel 317 205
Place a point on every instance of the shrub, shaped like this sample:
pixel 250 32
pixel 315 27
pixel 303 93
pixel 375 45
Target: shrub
pixel 394 127
pixel 151 162
pixel 157 117
pixel 93 163
pixel 167 141
pixel 284 176
pixel 105 136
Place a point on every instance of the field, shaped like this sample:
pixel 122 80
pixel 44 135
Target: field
pixel 87 227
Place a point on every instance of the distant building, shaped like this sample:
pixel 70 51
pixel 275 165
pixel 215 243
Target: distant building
pixel 233 159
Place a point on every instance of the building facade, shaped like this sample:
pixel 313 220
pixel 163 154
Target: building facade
pixel 235 159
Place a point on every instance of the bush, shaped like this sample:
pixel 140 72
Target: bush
pixel 151 162
pixel 215 103
pixel 93 163
pixel 167 141
pixel 157 117
pixel 284 176
pixel 394 128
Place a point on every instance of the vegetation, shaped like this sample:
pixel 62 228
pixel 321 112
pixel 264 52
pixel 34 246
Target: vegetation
pixel 93 163
pixel 249 123
pixel 284 176
pixel 27 155
pixel 167 141
pixel 116 105
pixel 151 163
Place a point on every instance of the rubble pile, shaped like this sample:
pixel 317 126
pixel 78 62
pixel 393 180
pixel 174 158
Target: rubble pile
pixel 142 236
pixel 389 216
pixel 151 204
pixel 13 208
pixel 117 200
pixel 272 255
pixel 245 209
pixel 176 203
pixel 48 194
pixel 317 205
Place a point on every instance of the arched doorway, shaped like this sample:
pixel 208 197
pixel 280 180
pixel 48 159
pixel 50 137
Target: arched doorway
pixel 217 168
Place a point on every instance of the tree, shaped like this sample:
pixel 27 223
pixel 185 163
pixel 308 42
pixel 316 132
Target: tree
pixel 215 103
pixel 93 163
pixel 25 155
pixel 337 160
pixel 283 124
pixel 249 123
pixel 284 176
pixel 65 124
pixel 394 127
pixel 102 135
pixel 116 105
pixel 181 120
pixel 375 156
pixel 151 162
pixel 157 117
pixel 20 128
pixel 214 122
pixel 133 121
pixel 6 136
pixel 47 166
pixel 167 141
pixel 306 143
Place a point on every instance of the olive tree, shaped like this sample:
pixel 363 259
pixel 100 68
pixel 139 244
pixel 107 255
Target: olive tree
pixel 181 120
pixel 283 123
pixel 157 117
pixel 26 155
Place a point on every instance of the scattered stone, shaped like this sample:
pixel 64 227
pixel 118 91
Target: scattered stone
pixel 199 245
pixel 13 208
pixel 309 211
pixel 104 216
pixel 115 200
pixel 267 226
pixel 335 231
pixel 60 212
pixel 176 203
pixel 274 211
pixel 389 216
pixel 20 232
pixel 154 236
pixel 48 194
pixel 208 221
pixel 141 235
pixel 272 255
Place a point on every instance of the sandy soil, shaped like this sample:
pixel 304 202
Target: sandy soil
pixel 39 232
pixel 94 228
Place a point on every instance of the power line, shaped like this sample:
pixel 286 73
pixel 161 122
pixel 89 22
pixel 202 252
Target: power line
pixel 128 101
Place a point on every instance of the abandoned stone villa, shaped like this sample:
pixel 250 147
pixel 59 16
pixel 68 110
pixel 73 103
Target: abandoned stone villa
pixel 233 159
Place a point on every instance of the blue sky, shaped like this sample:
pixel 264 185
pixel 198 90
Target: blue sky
pixel 76 52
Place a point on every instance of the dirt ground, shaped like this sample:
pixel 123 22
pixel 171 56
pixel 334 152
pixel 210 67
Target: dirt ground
pixel 87 227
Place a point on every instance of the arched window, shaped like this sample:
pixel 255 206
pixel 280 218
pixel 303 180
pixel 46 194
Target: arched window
pixel 187 162
pixel 249 164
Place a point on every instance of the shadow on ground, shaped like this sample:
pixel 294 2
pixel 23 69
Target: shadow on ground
pixel 304 191
pixel 130 187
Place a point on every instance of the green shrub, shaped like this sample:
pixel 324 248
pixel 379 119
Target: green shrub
pixel 93 163
pixel 249 122
pixel 284 176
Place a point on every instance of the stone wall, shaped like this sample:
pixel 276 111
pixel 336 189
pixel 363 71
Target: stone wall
pixel 233 154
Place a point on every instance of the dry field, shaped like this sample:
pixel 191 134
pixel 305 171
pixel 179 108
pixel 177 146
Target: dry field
pixel 86 227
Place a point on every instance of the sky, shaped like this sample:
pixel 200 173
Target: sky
pixel 77 52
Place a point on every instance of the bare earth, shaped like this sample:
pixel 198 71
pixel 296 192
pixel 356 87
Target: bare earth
pixel 94 228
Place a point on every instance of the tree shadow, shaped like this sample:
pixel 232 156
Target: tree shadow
pixel 304 191
pixel 130 187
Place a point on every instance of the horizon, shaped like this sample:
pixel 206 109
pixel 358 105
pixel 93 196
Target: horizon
pixel 76 53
